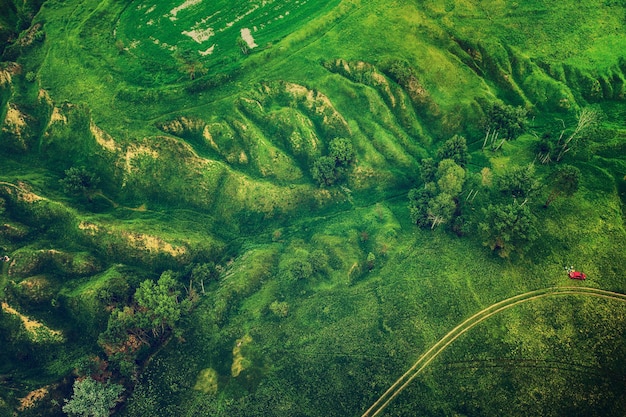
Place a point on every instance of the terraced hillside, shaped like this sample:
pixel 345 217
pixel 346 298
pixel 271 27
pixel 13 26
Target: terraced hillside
pixel 321 190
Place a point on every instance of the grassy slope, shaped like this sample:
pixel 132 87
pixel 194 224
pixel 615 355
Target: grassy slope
pixel 349 333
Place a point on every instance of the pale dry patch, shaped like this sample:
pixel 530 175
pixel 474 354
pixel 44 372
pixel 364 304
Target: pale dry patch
pixel 28 196
pixel 206 134
pixel 240 363
pixel 319 103
pixel 36 329
pixel 90 228
pixel 208 51
pixel 32 398
pixel 246 35
pixel 5 77
pixel 15 120
pixel 57 116
pixel 134 152
pixel 184 6
pixel 200 35
pixel 380 80
pixel 153 244
pixel 44 96
pixel 103 138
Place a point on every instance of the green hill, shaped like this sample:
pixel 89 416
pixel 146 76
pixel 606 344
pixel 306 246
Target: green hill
pixel 333 185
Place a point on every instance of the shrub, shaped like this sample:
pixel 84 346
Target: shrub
pixel 92 398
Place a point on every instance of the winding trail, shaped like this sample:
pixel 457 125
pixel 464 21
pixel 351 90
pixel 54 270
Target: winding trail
pixel 477 318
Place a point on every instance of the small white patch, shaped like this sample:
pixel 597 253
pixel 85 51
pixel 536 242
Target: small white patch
pixel 150 22
pixel 208 51
pixel 151 9
pixel 247 36
pixel 184 6
pixel 200 36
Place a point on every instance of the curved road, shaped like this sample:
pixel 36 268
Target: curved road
pixel 455 333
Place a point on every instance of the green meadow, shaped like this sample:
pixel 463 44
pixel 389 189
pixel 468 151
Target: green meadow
pixel 288 208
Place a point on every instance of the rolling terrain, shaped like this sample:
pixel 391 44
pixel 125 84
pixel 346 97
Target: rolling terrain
pixel 263 154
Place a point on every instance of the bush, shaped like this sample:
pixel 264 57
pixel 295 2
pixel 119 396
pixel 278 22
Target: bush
pixel 92 398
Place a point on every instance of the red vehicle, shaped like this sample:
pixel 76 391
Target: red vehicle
pixel 577 275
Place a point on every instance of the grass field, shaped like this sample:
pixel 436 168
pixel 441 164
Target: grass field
pixel 203 123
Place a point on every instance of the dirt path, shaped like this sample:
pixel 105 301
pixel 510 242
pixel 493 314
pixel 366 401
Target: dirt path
pixel 477 318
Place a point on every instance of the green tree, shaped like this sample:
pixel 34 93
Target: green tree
pixel 204 272
pixel 243 45
pixel 428 169
pixel 159 303
pixel 440 209
pixel 508 121
pixel 92 398
pixel 450 177
pixel 508 228
pixel 519 182
pixel 565 182
pixel 189 63
pixel 454 148
pixel 342 151
pixel 78 180
pixel 419 199
pixel 325 171
pixel 436 202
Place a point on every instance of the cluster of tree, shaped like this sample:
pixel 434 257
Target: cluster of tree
pixel 436 202
pixel 330 169
pixel 506 222
pixel 151 317
pixel 509 225
pixel 503 122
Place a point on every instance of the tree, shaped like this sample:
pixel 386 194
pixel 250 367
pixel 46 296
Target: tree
pixel 325 171
pixel 418 204
pixel 204 272
pixel 428 169
pixel 159 303
pixel 436 203
pixel 454 148
pixel 342 151
pixel 440 209
pixel 78 180
pixel 92 398
pixel 565 182
pixel 450 177
pixel 243 45
pixel 507 228
pixel 506 120
pixel 520 182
